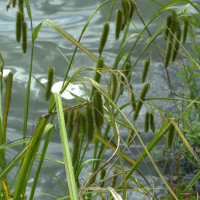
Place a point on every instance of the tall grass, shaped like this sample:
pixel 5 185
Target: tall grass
pixel 97 118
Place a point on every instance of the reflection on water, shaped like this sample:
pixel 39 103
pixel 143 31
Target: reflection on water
pixel 74 89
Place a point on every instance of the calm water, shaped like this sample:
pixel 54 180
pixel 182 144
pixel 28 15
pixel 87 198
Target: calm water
pixel 71 16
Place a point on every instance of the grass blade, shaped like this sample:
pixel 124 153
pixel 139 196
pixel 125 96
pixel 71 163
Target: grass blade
pixel 66 152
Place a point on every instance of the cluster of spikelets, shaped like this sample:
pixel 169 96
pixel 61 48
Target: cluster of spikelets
pixel 21 25
pixel 173 28
pixel 122 16
pixel 80 122
pixel 149 120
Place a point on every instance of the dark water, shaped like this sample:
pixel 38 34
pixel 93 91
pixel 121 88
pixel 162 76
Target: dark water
pixel 71 16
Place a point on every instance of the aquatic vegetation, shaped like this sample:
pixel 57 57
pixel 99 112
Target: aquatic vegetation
pixel 94 122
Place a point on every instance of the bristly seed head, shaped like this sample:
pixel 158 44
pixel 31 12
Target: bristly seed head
pixel 24 36
pixel 18 26
pixel 104 36
pixel 118 23
pixel 170 136
pixel 146 68
pixel 50 81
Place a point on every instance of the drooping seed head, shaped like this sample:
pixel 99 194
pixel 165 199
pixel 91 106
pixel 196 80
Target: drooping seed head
pixel 70 123
pixel 50 81
pixel 146 68
pixel 14 3
pixel 18 26
pixel 146 122
pixel 98 109
pixel 66 115
pixel 83 122
pixel 170 136
pixel 90 122
pixel 125 10
pixel 133 99
pixel 152 123
pixel 113 87
pixel 173 29
pixel 168 25
pixel 118 23
pixel 185 30
pixel 104 36
pixel 76 148
pixel 24 37
pixel 177 44
pixel 97 77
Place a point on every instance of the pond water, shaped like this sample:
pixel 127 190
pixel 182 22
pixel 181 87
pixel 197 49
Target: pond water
pixel 71 16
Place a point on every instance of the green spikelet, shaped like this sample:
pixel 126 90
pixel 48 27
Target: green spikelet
pixel 132 8
pixel 24 37
pixel 173 28
pixel 142 97
pixel 133 99
pixel 168 24
pixel 66 115
pixel 76 115
pixel 90 123
pixel 104 36
pixel 118 23
pixel 125 10
pixel 146 122
pixel 18 26
pixel 170 136
pixel 83 123
pixel 146 68
pixel 102 175
pixel 177 44
pixel 76 148
pixel 152 124
pixel 185 30
pixel 98 110
pixel 97 76
pixel 50 81
pixel 130 137
pixel 70 124
pixel 113 87
pixel 14 3
pixel 114 179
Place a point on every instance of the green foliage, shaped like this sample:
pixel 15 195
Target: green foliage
pixel 91 111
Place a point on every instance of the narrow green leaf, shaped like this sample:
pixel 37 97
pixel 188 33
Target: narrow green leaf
pixel 66 151
pixel 48 137
pixel 28 9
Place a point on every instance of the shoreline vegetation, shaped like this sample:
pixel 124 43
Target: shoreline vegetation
pixel 97 119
